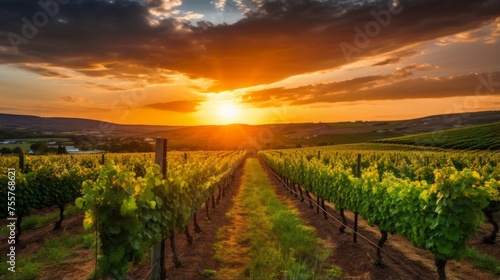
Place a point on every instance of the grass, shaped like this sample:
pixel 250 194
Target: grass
pixel 270 236
pixel 33 221
pixel 55 251
pixel 482 262
pixel 208 273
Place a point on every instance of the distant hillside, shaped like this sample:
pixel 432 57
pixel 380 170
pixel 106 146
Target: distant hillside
pixel 419 125
pixel 214 137
pixel 40 126
pixel 480 137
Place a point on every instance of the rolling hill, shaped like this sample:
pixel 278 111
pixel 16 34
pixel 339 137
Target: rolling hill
pixel 234 136
pixel 480 137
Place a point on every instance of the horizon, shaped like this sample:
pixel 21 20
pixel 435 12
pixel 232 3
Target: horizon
pixel 261 124
pixel 192 62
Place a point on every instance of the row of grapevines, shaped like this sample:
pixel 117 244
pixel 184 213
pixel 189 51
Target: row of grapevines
pixel 45 185
pixel 51 180
pixel 131 213
pixel 46 181
pixel 417 166
pixel 439 216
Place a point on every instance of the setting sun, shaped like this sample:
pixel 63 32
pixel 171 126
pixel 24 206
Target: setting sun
pixel 228 111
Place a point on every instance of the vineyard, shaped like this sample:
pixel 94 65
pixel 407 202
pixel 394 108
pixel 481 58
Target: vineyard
pixel 125 197
pixel 435 200
pixel 460 138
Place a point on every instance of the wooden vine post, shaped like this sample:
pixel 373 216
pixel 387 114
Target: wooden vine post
pixel 358 174
pixel 158 251
pixel 322 200
pixel 21 161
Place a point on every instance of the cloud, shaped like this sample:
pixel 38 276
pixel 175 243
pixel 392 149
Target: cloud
pixel 387 61
pixel 403 72
pixel 191 16
pixel 381 87
pixel 267 97
pixel 495 33
pixel 220 4
pixel 180 106
pixel 398 56
pixel 105 86
pixel 163 8
pixel 46 72
pixel 276 39
pixel 464 37
pixel 75 100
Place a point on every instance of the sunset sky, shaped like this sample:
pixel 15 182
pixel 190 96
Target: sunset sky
pixel 190 62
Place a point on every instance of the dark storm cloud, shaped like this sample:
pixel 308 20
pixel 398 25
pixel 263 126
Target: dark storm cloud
pixel 374 88
pixel 181 106
pixel 276 40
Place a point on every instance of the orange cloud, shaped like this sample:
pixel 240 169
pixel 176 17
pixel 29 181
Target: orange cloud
pixel 275 40
pixel 386 87
pixel 180 106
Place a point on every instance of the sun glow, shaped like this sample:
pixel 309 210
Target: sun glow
pixel 228 112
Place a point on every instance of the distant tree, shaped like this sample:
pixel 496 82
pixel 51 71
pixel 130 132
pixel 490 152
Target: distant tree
pixel 35 146
pixel 85 147
pixel 43 148
pixel 17 150
pixel 5 150
pixel 104 147
pixel 61 150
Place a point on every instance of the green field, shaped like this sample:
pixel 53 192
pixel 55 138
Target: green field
pixel 33 140
pixel 481 137
pixel 25 147
pixel 28 141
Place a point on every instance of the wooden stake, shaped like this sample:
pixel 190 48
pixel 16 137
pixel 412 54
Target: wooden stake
pixel 158 251
pixel 358 175
pixel 21 162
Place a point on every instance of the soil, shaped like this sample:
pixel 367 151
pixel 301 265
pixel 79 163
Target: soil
pixel 402 259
